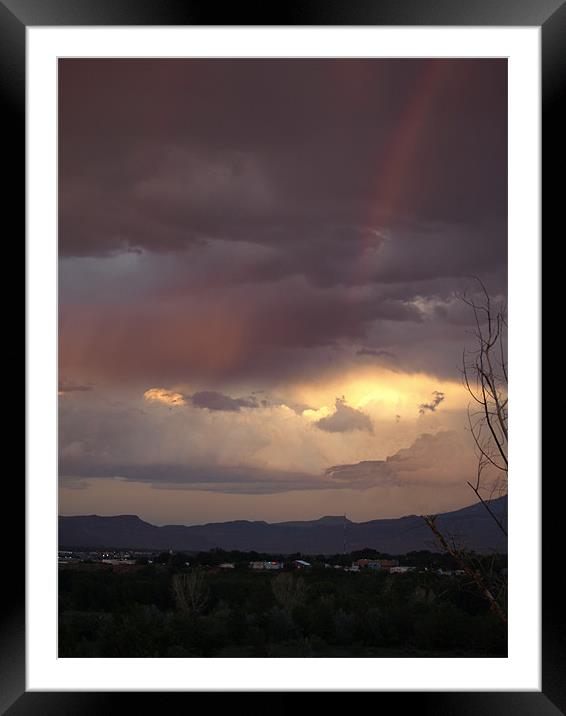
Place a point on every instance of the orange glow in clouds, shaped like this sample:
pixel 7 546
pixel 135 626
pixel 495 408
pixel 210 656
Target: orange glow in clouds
pixel 380 391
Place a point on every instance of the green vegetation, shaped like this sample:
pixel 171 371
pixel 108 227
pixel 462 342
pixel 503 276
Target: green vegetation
pixel 171 610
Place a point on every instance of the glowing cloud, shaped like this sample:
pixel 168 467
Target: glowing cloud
pixel 167 397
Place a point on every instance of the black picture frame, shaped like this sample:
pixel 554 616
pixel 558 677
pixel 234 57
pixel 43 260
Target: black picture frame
pixel 15 16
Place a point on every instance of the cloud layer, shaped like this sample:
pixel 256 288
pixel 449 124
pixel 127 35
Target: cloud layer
pixel 433 459
pixel 221 219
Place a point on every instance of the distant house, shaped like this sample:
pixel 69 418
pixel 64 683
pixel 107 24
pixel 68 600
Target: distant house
pixel 301 564
pixel 227 565
pixel 386 564
pixel 266 565
pixel 401 570
pixel 273 565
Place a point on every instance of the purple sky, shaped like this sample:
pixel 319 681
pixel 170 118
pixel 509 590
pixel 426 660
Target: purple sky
pixel 260 264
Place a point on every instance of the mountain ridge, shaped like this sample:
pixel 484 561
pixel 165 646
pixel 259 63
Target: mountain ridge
pixel 472 526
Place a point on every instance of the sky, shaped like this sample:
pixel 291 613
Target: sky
pixel 261 272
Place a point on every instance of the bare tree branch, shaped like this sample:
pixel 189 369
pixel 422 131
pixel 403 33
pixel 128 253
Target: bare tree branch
pixel 474 574
pixel 484 375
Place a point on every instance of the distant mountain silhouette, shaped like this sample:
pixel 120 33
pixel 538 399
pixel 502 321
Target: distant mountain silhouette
pixel 472 526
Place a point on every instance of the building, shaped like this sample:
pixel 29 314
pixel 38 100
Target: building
pixel 266 565
pixel 367 564
pixel 386 564
pixel 373 564
pixel 227 565
pixel 401 570
pixel 301 564
pixel 273 565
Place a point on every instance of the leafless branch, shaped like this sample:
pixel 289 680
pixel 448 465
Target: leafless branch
pixel 463 561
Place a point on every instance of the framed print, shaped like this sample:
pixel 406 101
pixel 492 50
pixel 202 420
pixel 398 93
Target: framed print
pixel 277 275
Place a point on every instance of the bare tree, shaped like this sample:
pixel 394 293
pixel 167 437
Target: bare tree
pixel 485 378
pixel 484 374
pixel 190 592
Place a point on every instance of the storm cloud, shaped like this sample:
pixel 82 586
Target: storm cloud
pixel 234 148
pixel 243 240
pixel 378 353
pixel 254 229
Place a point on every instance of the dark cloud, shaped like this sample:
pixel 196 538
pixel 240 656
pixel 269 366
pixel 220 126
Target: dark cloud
pixel 65 387
pixel 345 419
pixel 256 148
pixel 206 399
pixel 209 478
pixel 378 353
pixel 212 400
pixel 266 330
pixel 255 217
pixel 433 405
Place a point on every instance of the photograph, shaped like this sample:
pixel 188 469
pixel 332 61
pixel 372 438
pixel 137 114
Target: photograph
pixel 282 278
pixel 282 357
